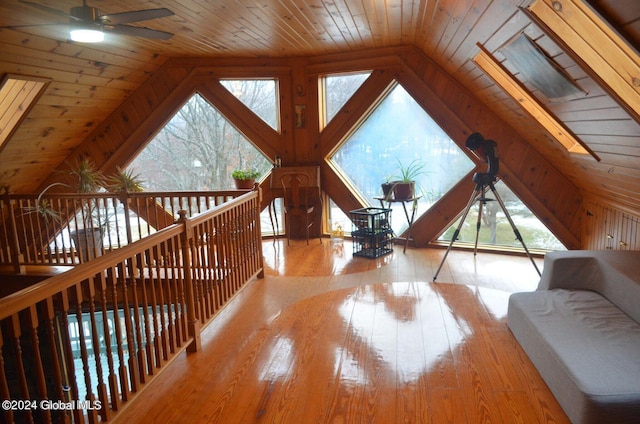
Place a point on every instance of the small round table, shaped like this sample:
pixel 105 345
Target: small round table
pixel 414 203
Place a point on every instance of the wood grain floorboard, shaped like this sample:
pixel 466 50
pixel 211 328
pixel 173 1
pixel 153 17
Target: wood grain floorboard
pixel 329 338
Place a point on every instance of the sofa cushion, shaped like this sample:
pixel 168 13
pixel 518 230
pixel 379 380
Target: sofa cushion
pixel 585 348
pixel 613 274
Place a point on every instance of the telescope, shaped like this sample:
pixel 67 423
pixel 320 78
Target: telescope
pixel 486 151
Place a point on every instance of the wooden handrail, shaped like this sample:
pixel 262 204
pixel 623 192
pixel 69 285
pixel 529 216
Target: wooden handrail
pixel 28 239
pixel 101 331
pixel 18 301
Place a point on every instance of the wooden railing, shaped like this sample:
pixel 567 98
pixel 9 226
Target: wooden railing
pixel 89 225
pixel 78 346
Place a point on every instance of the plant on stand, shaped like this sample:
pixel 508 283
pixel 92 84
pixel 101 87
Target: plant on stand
pixel 387 187
pixel 245 178
pixel 89 231
pixel 404 187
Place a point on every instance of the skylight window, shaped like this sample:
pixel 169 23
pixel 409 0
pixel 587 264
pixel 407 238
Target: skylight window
pixel 496 71
pixel 587 35
pixel 17 95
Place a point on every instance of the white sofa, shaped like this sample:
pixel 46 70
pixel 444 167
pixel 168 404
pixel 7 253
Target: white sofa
pixel 581 329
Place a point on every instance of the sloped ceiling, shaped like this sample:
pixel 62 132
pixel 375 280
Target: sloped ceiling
pixel 88 82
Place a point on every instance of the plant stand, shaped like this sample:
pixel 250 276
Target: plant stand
pixel 372 234
pixel 410 218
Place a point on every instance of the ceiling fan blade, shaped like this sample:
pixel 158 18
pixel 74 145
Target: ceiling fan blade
pixel 134 16
pixel 31 25
pixel 49 9
pixel 138 32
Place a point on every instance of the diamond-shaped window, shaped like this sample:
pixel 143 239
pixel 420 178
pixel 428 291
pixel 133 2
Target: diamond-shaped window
pixel 397 132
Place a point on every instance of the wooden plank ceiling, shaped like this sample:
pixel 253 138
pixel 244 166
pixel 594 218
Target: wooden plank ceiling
pixel 88 82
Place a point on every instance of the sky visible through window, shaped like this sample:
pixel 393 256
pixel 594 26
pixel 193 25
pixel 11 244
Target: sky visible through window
pixel 258 95
pixel 396 133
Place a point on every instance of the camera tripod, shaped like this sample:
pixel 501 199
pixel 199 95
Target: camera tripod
pixel 483 181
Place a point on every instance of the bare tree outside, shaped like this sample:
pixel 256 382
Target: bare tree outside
pixel 338 89
pixel 258 95
pixel 199 148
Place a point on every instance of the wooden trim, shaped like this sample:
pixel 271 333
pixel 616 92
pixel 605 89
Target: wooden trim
pixel 262 136
pixel 455 109
pixel 356 110
pixel 182 276
pixel 18 95
pixel 598 48
pixel 498 73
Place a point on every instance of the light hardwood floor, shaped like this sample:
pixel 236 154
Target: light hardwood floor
pixel 328 338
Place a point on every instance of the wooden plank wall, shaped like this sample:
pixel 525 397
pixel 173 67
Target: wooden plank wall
pixel 608 228
pixel 458 111
pixel 594 117
pixel 118 138
pixel 84 88
pixel 90 82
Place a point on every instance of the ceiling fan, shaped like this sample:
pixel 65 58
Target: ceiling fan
pixel 88 24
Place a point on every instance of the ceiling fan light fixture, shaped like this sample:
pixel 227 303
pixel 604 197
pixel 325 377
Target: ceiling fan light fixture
pixel 87 24
pixel 86 35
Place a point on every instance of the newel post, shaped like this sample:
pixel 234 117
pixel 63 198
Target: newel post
pixel 186 241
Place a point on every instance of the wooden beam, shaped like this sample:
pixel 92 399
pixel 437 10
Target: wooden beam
pixel 608 56
pixel 366 98
pixel 529 103
pixel 262 136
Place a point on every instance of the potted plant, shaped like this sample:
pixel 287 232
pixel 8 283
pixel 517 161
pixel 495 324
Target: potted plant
pixel 387 187
pixel 404 187
pixel 87 237
pixel 125 181
pixel 245 178
pixel 44 208
pixel 89 219
pixel 84 178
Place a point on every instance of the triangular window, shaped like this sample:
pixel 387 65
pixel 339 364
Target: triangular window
pixel 337 89
pixel 495 230
pixel 261 96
